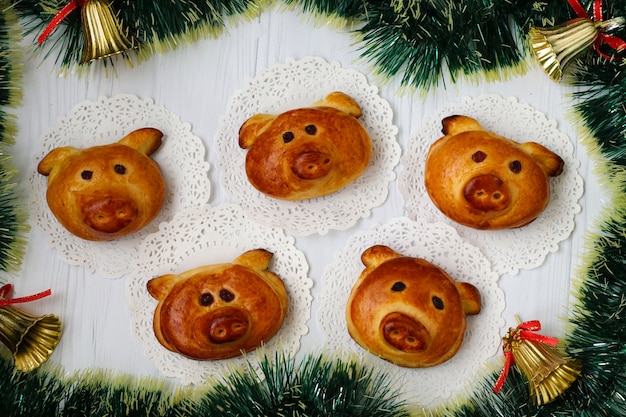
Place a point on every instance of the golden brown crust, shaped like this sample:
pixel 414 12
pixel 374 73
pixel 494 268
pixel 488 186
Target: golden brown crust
pixel 219 311
pixel 105 192
pixel 308 152
pixel 407 310
pixel 485 181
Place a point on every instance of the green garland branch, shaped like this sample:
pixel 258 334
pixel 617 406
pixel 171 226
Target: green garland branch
pixel 13 212
pixel 157 26
pixel 604 85
pixel 417 41
pixel 598 334
pixel 278 386
pixel 340 12
pixel 422 43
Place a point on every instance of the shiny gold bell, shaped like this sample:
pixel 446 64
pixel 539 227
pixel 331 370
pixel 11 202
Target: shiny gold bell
pixel 548 371
pixel 549 374
pixel 31 339
pixel 555 48
pixel 103 32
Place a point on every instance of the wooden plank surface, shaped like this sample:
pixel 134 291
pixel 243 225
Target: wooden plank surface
pixel 196 82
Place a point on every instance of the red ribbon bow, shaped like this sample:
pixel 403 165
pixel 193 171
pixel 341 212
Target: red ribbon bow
pixel 524 331
pixel 612 41
pixel 6 289
pixel 58 18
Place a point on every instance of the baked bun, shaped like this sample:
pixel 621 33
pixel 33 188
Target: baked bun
pixel 407 310
pixel 485 181
pixel 307 152
pixel 105 192
pixel 219 311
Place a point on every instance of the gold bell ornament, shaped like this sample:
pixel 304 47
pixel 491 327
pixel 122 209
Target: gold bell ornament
pixel 556 47
pixel 31 339
pixel 548 373
pixel 103 35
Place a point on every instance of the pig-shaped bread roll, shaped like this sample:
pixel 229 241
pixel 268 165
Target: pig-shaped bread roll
pixel 219 311
pixel 485 181
pixel 407 310
pixel 307 152
pixel 102 193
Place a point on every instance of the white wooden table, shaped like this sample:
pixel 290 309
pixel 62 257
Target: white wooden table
pixel 196 82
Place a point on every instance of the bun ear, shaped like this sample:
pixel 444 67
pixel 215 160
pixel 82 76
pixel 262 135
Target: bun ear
pixel 551 164
pixel 470 297
pixel 53 158
pixel 146 140
pixel 455 124
pixel 377 254
pixel 252 128
pixel 160 287
pixel 341 101
pixel 257 259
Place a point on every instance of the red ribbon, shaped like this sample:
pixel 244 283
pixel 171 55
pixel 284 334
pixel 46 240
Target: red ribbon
pixel 524 331
pixel 6 289
pixel 612 41
pixel 58 18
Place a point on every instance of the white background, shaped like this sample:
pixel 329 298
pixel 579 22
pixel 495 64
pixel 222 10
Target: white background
pixel 196 82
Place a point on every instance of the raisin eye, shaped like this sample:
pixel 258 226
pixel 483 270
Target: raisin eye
pixel 206 299
pixel 120 169
pixel 86 175
pixel 479 156
pixel 310 129
pixel 437 302
pixel 227 295
pixel 515 166
pixel 288 137
pixel 398 286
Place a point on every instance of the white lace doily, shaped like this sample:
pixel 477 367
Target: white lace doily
pixel 209 235
pixel 513 249
pixel 441 245
pixel 297 84
pixel 181 157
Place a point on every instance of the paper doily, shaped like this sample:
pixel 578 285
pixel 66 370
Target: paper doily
pixel 209 235
pixel 181 157
pixel 513 249
pixel 441 245
pixel 297 84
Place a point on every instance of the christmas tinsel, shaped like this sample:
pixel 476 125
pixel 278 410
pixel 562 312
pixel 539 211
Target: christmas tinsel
pixel 157 26
pixel 13 212
pixel 314 387
pixel 423 43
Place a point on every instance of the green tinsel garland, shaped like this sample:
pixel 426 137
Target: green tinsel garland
pixel 314 387
pixel 156 26
pixel 13 213
pixel 604 85
pixel 418 41
pixel 423 42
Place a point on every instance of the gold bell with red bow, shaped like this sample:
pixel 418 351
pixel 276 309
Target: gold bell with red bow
pixel 31 339
pixel 548 371
pixel 557 47
pixel 103 33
